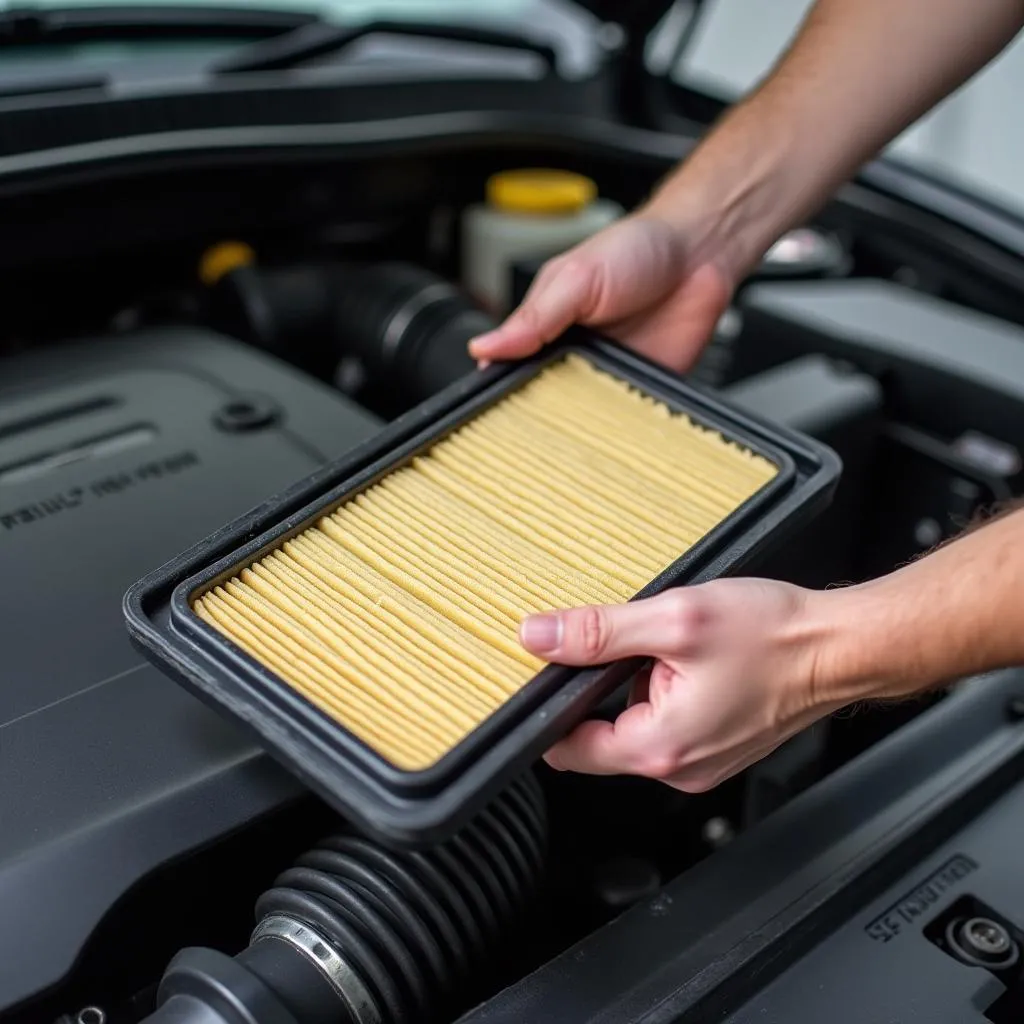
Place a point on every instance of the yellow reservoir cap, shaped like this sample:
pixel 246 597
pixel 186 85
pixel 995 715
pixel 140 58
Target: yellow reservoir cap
pixel 540 191
pixel 219 260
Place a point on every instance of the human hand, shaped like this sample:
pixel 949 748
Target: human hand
pixel 641 281
pixel 735 674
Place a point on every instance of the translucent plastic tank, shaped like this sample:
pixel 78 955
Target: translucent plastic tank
pixel 528 214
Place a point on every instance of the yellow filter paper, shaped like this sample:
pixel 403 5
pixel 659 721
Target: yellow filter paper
pixel 397 614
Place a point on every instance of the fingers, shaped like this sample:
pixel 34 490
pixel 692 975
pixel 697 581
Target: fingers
pixel 644 741
pixel 663 626
pixel 675 332
pixel 627 746
pixel 558 299
pixel 727 687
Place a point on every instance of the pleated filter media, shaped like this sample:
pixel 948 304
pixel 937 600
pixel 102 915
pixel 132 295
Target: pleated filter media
pixel 397 614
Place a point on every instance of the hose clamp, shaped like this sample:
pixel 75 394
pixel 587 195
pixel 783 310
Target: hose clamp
pixel 314 947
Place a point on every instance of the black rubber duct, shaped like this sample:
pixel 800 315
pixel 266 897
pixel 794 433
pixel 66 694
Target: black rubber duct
pixel 404 325
pixel 354 933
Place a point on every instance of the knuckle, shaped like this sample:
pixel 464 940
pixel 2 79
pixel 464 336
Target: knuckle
pixel 577 274
pixel 554 264
pixel 529 323
pixel 526 314
pixel 544 275
pixel 686 617
pixel 678 603
pixel 574 265
pixel 594 632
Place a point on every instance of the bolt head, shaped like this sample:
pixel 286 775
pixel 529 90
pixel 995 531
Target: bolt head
pixel 986 937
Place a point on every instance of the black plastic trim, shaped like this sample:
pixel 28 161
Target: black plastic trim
pixel 243 144
pixel 319 39
pixel 118 775
pixel 260 101
pixel 286 122
pixel 726 928
pixel 947 199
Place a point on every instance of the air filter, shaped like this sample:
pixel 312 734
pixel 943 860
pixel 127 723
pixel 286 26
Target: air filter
pixel 365 624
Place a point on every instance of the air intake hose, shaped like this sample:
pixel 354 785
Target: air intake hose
pixel 404 325
pixel 354 933
pixel 408 326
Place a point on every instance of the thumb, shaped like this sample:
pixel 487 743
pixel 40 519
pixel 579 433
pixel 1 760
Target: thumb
pixel 661 626
pixel 557 300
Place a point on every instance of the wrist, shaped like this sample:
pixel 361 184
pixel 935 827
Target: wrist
pixel 953 614
pixel 893 637
pixel 867 643
pixel 734 195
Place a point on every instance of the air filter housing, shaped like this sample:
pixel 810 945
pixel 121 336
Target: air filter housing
pixel 364 626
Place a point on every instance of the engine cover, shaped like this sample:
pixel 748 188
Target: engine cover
pixel 115 455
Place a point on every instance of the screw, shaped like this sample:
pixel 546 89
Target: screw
pixel 718 832
pixel 986 937
pixel 246 413
pixel 982 942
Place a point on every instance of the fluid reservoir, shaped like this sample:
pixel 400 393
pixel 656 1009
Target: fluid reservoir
pixel 527 214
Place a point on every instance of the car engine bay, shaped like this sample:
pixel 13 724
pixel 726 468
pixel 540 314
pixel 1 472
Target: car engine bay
pixel 178 348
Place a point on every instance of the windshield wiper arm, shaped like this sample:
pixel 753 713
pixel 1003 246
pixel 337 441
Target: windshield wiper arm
pixel 26 25
pixel 320 38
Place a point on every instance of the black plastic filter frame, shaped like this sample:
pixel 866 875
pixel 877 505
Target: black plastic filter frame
pixel 424 806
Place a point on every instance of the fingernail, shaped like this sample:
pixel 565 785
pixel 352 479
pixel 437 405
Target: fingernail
pixel 482 364
pixel 541 633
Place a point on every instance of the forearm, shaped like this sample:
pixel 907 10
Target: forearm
pixel 857 74
pixel 955 613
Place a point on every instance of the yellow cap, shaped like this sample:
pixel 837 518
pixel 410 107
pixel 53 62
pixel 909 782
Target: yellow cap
pixel 222 258
pixel 540 191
